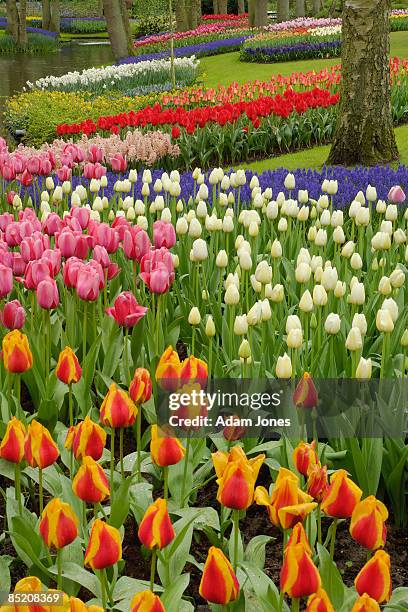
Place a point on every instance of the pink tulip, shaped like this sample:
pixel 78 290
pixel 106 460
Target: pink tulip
pixel 13 315
pixel 396 195
pixel 53 258
pixel 8 172
pixel 19 164
pixel 113 270
pixel 95 154
pixel 53 224
pixel 99 171
pixel 64 173
pixel 6 257
pixel 87 285
pixel 45 167
pixel 35 272
pixel 105 236
pixel 34 165
pixel 12 234
pixel 82 215
pixel 33 247
pixel 5 220
pixel 164 234
pixel 101 255
pixel 118 163
pixel 26 178
pixel 157 270
pixel 95 265
pixel 6 280
pixel 126 311
pixel 136 243
pixel 70 271
pixel 66 242
pixel 47 294
pixel 19 265
pixel 120 225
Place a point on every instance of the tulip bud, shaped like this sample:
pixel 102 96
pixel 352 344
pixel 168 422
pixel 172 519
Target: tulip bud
pixel 218 584
pixel 319 602
pixel 165 450
pixel 90 482
pixel 332 323
pixel 374 578
pixel 244 351
pixel 146 601
pixel 231 297
pixel 305 457
pixel 384 321
pixel 404 339
pixel 155 529
pixel 306 302
pixel 365 603
pixel 58 524
pixel 68 369
pixel 104 547
pixel 140 389
pixel 342 496
pixel 210 327
pixel 284 367
pixel 40 449
pixel 12 445
pixel 194 318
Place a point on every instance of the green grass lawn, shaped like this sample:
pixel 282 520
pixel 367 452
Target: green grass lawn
pixel 227 68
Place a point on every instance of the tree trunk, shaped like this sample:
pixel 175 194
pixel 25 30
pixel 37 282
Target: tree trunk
pixel 241 7
pixel 126 24
pixel 55 17
pixel 46 14
pixel 191 13
pixel 283 10
pixel 181 16
pixel 22 23
pixel 364 132
pixel 251 13
pixel 199 12
pixel 300 8
pixel 261 13
pixel 116 28
pixel 215 7
pixel 317 5
pixel 12 19
pixel 223 7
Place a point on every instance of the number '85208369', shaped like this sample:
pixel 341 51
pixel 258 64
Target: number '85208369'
pixel 54 598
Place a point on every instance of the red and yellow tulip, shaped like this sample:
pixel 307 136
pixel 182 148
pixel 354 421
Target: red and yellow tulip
pixel 68 369
pixel 104 547
pixel 319 602
pixel 341 497
pixel 305 457
pixel 76 605
pixel 305 395
pixel 117 409
pixel 288 504
pixel 12 445
pixel 299 576
pixel 218 583
pixel 86 439
pixel 236 477
pixel 365 603
pixel 140 389
pixel 40 449
pixel 194 370
pixel 146 601
pixel 17 355
pixel 168 370
pixel 374 578
pixel 298 536
pixel 90 482
pixel 317 482
pixel 58 524
pixel 156 530
pixel 367 524
pixel 164 449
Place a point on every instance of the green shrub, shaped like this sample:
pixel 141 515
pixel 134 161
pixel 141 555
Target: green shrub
pixel 150 25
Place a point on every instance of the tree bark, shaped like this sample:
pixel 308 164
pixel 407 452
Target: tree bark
pixel 116 28
pixel 300 8
pixel 317 5
pixel 261 13
pixel 223 7
pixel 283 10
pixel 199 12
pixel 22 38
pixel 364 131
pixel 181 16
pixel 126 24
pixel 251 12
pixel 12 19
pixel 54 24
pixel 46 14
pixel 241 7
pixel 215 7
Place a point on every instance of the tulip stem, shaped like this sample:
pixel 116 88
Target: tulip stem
pixel 126 356
pixel 166 482
pixel 18 395
pixel 186 458
pixel 59 569
pixel 295 604
pixel 153 569
pixel 17 483
pixel 333 538
pixel 112 462
pixel 70 407
pixel 102 579
pixel 235 518
pixel 319 524
pixel 84 332
pixel 139 444
pixel 384 354
pixel 40 490
pixel 122 470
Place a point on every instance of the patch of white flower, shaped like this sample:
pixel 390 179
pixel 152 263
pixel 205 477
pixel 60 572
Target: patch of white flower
pixel 325 31
pixel 122 77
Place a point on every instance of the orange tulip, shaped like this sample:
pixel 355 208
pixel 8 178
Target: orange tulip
pixel 86 439
pixel 194 370
pixel 117 409
pixel 30 584
pixel 40 449
pixel 288 504
pixel 12 445
pixel 218 583
pixel 168 370
pixel 236 477
pixel 90 482
pixel 76 605
pixel 365 604
pixel 374 578
pixel 68 369
pixel 305 457
pixel 305 395
pixel 367 524
pixel 341 496
pixel 140 389
pixel 165 450
pixel 156 530
pixel 298 536
pixel 299 576
pixel 104 547
pixel 317 483
pixel 58 524
pixel 146 601
pixel 319 602
pixel 17 356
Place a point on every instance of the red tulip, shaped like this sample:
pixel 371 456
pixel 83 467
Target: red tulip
pixel 126 311
pixel 13 315
pixel 305 395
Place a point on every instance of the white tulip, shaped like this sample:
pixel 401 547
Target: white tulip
pixel 364 369
pixel 371 193
pixel 290 182
pixel 306 302
pixel 277 293
pixel 231 297
pixel 397 278
pixel 221 260
pixel 354 341
pixel 284 367
pixel 254 315
pixel 391 305
pixel 357 294
pixel 244 351
pixel 303 272
pixel 319 295
pixel 195 228
pixel 295 339
pixel 181 226
pixel 360 321
pixel 210 327
pixel 240 325
pixel 384 286
pixel 263 272
pixel 384 321
pixel 356 262
pixel 332 323
pixel 276 249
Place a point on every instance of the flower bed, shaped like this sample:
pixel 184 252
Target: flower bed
pixel 289 51
pixel 136 79
pixel 95 285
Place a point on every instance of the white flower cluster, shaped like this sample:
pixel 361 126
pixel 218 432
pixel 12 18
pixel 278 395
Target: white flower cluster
pixel 325 31
pixel 142 73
